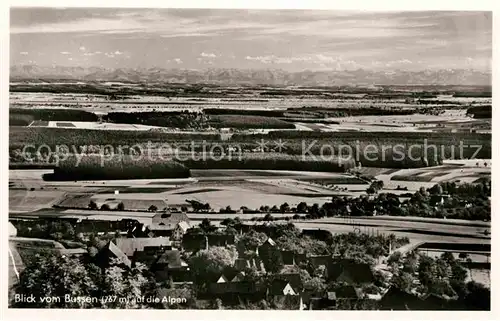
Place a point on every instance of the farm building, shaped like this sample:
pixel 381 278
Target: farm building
pixel 180 230
pixel 236 290
pixel 268 244
pixel 293 279
pixel 170 218
pixel 168 224
pixel 170 266
pixel 350 273
pixel 255 264
pixel 197 242
pixel 281 287
pixel 109 252
pixel 397 299
pixel 131 245
pixel 347 292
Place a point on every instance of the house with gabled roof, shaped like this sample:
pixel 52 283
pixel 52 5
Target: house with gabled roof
pixel 240 276
pixel 109 253
pixel 131 245
pixel 348 292
pixel 433 301
pixel 222 279
pixel 266 247
pixel 438 199
pixel 170 266
pixel 197 242
pixel 171 259
pixel 397 299
pixel 288 257
pixel 294 279
pixel 167 224
pixel 350 272
pixel 242 264
pixel 318 260
pixel 281 287
pixel 180 229
pixel 236 291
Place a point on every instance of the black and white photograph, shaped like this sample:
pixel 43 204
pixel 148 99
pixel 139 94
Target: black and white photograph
pixel 249 159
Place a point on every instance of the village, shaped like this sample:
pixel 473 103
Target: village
pixel 237 263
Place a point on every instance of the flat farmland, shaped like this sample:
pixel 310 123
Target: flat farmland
pixel 133 203
pixel 222 188
pixel 92 125
pixel 219 196
pixel 75 200
pixel 148 102
pixel 28 174
pixel 198 217
pixel 26 200
pixel 219 188
pixel 39 123
pixel 214 173
pixel 428 230
pixel 416 231
pixel 466 171
pixel 449 119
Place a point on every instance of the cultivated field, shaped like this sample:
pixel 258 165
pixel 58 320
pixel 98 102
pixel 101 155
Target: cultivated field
pixel 247 115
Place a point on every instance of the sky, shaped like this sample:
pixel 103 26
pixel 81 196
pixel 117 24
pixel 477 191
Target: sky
pixel 291 40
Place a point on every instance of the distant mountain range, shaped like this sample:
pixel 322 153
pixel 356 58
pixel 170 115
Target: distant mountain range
pixel 254 77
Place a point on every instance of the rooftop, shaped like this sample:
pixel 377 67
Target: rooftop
pixel 172 258
pixel 130 245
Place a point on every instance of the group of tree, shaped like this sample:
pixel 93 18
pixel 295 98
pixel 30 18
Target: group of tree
pixel 105 207
pixel 198 206
pixel 184 120
pixel 52 275
pixel 375 187
pixel 422 203
pixel 441 276
pixel 102 167
pixel 55 230
pixel 51 278
pixel 480 111
pixel 464 201
pixel 55 114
